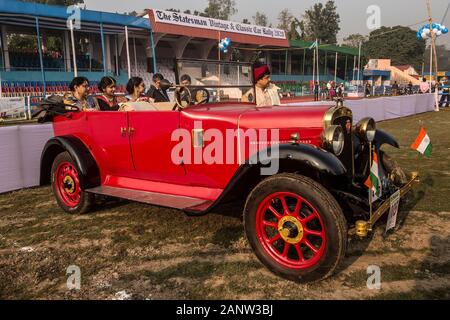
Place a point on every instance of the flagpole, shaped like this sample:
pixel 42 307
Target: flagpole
pixel 318 65
pixel 314 67
pixel 433 53
pixel 431 68
pixel 371 187
pixel 359 65
pixel 335 67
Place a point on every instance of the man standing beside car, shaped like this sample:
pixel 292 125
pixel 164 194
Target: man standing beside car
pixel 156 92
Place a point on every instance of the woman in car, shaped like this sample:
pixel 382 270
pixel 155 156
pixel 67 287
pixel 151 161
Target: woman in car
pixel 136 90
pixel 108 101
pixel 79 95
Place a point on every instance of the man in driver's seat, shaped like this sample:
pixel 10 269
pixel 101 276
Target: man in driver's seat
pixel 266 92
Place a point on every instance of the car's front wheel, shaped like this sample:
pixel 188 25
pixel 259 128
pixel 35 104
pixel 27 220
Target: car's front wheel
pixel 67 187
pixel 295 227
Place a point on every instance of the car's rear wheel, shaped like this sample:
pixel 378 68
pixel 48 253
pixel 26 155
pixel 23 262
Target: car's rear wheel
pixel 67 187
pixel 295 227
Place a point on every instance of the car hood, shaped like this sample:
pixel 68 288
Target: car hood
pixel 249 116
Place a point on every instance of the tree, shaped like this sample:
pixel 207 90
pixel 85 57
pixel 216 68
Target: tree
pixel 65 3
pixel 322 22
pixel 354 40
pixel 293 33
pixel 285 19
pixel 398 43
pixel 195 13
pixel 220 9
pixel 443 55
pixel 260 19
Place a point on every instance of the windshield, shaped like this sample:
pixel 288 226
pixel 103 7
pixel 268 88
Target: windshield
pixel 225 81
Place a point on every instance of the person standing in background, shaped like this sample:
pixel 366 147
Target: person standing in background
pixel 410 88
pixel 395 89
pixel 316 91
pixel 445 91
pixel 424 86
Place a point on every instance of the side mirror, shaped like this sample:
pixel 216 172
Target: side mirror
pixel 166 84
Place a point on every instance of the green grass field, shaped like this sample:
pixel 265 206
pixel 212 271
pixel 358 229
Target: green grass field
pixel 157 253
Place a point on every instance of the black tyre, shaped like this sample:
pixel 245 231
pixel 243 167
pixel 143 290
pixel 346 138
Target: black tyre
pixel 295 227
pixel 67 187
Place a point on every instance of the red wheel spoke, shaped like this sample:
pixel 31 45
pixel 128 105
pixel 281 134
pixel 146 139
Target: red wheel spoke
pixel 271 224
pixel 309 218
pixel 309 245
pixel 285 206
pixel 275 212
pixel 286 249
pixel 277 237
pixel 314 232
pixel 299 252
pixel 298 206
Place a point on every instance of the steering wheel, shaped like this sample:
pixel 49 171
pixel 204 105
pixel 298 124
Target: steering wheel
pixel 184 97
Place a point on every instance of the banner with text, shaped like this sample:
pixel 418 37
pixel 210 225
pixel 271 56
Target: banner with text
pixel 187 20
pixel 12 108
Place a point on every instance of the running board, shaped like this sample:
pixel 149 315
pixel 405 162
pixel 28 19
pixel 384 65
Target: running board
pixel 154 198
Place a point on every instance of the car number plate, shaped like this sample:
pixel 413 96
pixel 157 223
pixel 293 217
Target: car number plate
pixel 392 219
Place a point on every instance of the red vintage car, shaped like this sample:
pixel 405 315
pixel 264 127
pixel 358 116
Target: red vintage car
pixel 301 169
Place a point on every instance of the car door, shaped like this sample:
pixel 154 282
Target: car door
pixel 151 146
pixel 109 142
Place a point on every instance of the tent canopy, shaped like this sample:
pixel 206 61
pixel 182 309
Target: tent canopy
pixel 301 44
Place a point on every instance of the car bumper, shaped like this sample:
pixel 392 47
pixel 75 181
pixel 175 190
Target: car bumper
pixel 384 207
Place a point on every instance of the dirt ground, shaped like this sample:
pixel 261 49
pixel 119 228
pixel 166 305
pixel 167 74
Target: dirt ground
pixel 134 251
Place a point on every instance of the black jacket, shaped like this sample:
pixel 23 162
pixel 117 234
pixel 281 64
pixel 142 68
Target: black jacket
pixel 157 95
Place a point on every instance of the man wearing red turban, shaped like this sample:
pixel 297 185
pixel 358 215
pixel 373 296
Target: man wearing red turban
pixel 266 92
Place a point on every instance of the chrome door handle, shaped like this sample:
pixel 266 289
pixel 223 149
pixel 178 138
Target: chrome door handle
pixel 130 131
pixel 123 131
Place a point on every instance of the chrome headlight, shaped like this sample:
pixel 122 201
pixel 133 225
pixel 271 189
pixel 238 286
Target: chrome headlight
pixel 366 129
pixel 334 139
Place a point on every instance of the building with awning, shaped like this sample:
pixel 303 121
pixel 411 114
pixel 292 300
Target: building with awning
pixel 179 35
pixel 90 43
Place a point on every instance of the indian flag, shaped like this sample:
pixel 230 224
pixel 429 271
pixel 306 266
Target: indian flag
pixel 373 181
pixel 314 45
pixel 423 144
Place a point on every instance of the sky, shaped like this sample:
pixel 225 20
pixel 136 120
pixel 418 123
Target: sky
pixel 352 12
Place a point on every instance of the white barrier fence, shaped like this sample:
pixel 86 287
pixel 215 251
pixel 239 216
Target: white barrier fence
pixel 385 108
pixel 388 108
pixel 20 155
pixel 21 146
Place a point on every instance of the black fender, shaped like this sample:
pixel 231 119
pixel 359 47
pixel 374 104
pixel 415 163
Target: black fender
pixel 382 138
pixel 304 155
pixel 301 157
pixel 90 173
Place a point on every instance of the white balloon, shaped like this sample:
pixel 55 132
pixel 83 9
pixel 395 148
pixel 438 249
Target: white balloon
pixel 424 35
pixel 427 31
pixel 435 31
pixel 439 33
pixel 443 27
